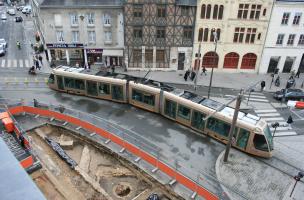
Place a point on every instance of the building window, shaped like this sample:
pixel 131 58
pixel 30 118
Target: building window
pixel 106 19
pixel 259 36
pixel 238 35
pixel 200 34
pixel 92 36
pixel 75 36
pixel 210 60
pixel 231 60
pixel 215 11
pixel 137 32
pixel 58 20
pixel 74 19
pixel 291 38
pixel 185 10
pixel 264 12
pixel 301 40
pixel 203 11
pixel 160 56
pixel 208 13
pixel 218 34
pixel 91 18
pixel 249 61
pixel 188 33
pixel 220 15
pixel 250 35
pixel 206 31
pixel 137 56
pixel 296 19
pixel 160 32
pixel 280 39
pixel 59 36
pixel 243 11
pixel 161 11
pixel 285 18
pixel 255 11
pixel 108 36
pixel 137 11
pixel 149 56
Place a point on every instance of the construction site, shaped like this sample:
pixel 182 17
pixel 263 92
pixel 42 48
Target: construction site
pixel 96 173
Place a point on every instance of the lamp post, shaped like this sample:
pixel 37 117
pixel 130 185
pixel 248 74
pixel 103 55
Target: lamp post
pixel 297 178
pixel 197 65
pixel 215 46
pixel 252 90
pixel 275 126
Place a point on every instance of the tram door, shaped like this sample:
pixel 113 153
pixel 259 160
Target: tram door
pixel 242 139
pixel 60 83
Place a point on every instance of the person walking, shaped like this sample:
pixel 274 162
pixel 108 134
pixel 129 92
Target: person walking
pixel 40 59
pixel 37 64
pixel 298 73
pixel 193 74
pixel 204 71
pixel 263 84
pixel 186 75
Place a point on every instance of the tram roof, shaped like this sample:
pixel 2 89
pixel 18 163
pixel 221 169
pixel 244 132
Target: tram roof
pixel 220 108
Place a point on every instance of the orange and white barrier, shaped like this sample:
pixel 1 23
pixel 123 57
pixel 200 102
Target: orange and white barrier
pixel 296 104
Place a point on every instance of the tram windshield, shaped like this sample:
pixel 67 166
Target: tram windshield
pixel 269 137
pixel 51 79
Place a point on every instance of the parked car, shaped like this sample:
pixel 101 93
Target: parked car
pixel 1 3
pixel 18 19
pixel 3 16
pixel 20 8
pixel 11 11
pixel 3 42
pixel 2 50
pixel 26 10
pixel 290 94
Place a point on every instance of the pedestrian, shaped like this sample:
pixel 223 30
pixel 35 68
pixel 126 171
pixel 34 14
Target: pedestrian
pixel 263 84
pixel 113 69
pixel 40 59
pixel 186 75
pixel 193 74
pixel 204 70
pixel 37 64
pixel 298 73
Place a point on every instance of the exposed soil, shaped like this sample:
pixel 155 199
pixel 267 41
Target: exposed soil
pixel 98 175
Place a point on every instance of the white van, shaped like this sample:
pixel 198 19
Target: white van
pixel 27 10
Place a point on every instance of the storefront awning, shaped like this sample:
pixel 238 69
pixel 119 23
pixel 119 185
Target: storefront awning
pixel 112 52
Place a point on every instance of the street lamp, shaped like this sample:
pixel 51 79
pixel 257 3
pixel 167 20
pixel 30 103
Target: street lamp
pixel 297 178
pixel 252 90
pixel 275 126
pixel 215 46
pixel 197 65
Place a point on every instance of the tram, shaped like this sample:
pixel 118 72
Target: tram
pixel 206 116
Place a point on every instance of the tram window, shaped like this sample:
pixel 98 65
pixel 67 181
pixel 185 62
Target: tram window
pixel 92 88
pixel 104 88
pixel 198 120
pixel 242 138
pixel 69 82
pixel 184 112
pixel 170 108
pixel 149 99
pixel 144 98
pixel 218 126
pixel 137 96
pixel 60 82
pixel 117 92
pixel 51 79
pixel 79 84
pixel 260 143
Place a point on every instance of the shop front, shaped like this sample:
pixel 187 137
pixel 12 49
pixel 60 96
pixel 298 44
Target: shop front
pixel 113 57
pixel 94 56
pixel 65 54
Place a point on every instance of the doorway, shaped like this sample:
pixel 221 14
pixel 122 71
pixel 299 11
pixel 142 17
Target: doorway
pixel 181 61
pixel 288 64
pixel 273 64
pixel 301 66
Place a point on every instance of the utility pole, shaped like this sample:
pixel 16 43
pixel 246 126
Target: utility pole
pixel 234 120
pixel 197 65
pixel 215 43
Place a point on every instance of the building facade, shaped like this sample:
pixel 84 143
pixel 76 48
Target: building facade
pixel 284 45
pixel 241 28
pixel 76 32
pixel 159 34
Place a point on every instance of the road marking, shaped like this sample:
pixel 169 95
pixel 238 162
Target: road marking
pixel 273 118
pixel 255 96
pixel 283 128
pixel 282 124
pixel 21 63
pixel 3 63
pixel 14 63
pixel 257 93
pixel 8 63
pixel 255 99
pixel 287 133
pixel 265 111
pixel 268 114
pixel 27 64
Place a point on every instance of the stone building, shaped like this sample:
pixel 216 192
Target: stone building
pixel 241 28
pixel 159 34
pixel 76 32
pixel 284 45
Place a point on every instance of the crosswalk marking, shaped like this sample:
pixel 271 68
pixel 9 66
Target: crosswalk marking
pixel 21 63
pixel 256 99
pixel 2 63
pixel 14 63
pixel 283 128
pixel 285 133
pixel 268 114
pixel 27 64
pixel 256 93
pixel 265 111
pixel 255 96
pixel 273 119
pixel 8 63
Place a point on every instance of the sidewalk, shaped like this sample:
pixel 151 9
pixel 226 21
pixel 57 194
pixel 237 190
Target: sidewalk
pixel 222 80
